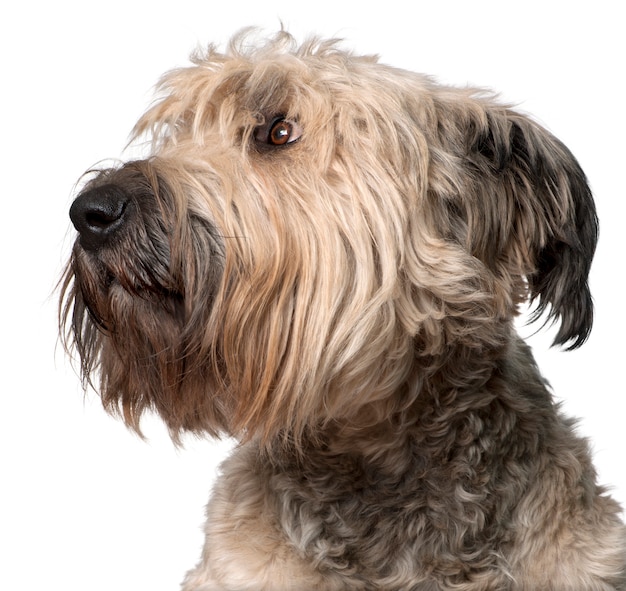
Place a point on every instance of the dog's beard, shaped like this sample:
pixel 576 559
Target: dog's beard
pixel 131 313
pixel 127 323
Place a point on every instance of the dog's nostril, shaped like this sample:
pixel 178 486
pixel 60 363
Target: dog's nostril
pixel 98 214
pixel 104 217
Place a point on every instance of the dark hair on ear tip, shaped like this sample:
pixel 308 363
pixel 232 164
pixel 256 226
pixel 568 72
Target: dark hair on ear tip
pixel 560 286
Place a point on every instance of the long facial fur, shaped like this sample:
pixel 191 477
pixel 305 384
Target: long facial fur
pixel 344 306
pixel 400 233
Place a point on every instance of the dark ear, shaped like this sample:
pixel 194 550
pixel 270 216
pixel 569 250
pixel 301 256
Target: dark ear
pixel 559 284
pixel 532 216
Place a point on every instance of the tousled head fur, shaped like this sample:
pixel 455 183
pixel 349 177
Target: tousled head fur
pixel 261 289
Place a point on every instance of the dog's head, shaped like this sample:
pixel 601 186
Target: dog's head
pixel 312 236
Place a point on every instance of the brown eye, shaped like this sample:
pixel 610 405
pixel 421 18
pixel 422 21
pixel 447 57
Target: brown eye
pixel 279 132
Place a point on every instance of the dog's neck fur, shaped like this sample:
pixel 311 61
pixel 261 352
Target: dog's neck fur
pixel 508 401
pixel 344 304
pixel 438 460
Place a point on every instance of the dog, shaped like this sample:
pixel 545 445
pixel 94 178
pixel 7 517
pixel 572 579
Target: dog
pixel 323 257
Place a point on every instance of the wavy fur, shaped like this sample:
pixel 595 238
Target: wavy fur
pixel 344 305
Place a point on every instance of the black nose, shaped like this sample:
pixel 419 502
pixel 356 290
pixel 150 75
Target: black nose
pixel 98 214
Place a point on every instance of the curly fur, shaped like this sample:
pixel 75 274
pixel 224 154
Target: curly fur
pixel 343 304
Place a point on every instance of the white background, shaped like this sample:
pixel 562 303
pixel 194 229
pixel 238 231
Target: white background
pixel 84 504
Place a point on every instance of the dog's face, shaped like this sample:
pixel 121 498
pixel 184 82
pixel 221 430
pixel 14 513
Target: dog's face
pixel 313 237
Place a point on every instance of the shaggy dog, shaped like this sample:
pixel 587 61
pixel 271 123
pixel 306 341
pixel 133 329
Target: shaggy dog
pixel 323 256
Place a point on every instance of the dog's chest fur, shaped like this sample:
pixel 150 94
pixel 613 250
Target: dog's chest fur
pixel 323 256
pixel 444 496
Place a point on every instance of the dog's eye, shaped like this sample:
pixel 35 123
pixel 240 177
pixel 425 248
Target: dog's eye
pixel 278 132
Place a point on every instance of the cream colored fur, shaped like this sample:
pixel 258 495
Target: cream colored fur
pixel 322 256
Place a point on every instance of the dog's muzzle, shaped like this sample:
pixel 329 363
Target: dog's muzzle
pixel 100 213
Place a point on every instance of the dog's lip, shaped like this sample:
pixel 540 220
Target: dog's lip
pixel 116 278
pixel 110 272
pixel 147 292
pixel 166 300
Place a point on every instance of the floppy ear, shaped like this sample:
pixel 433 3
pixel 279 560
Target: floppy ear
pixel 529 215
